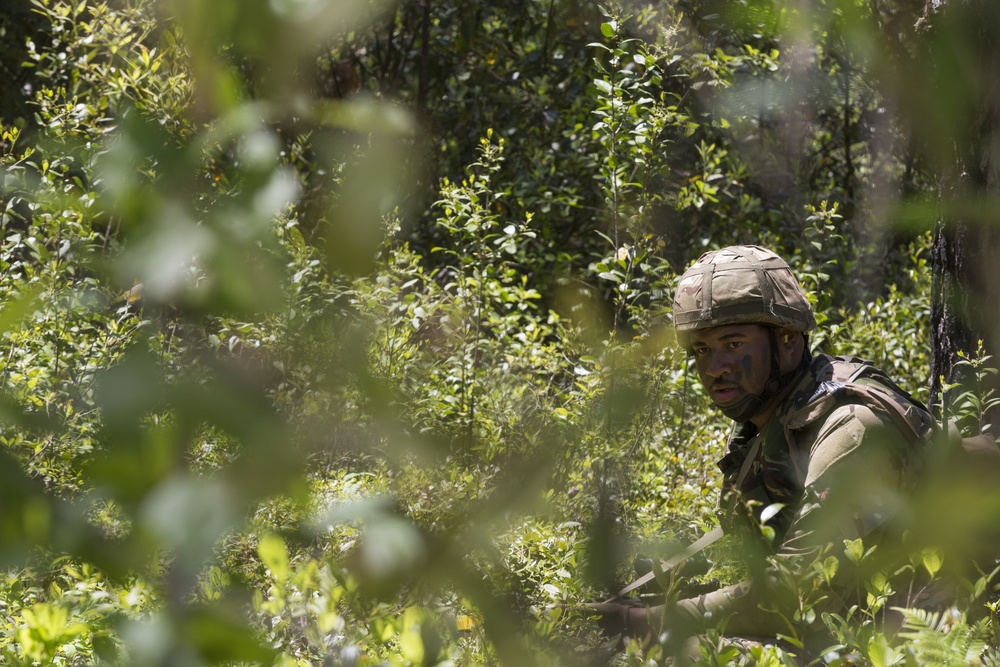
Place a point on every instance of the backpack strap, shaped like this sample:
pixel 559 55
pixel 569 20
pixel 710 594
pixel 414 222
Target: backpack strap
pixel 854 378
pixel 877 396
pixel 704 541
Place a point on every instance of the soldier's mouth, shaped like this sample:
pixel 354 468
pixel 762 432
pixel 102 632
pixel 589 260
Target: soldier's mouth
pixel 723 394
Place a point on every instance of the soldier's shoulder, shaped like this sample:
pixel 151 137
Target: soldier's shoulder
pixel 847 423
pixel 830 389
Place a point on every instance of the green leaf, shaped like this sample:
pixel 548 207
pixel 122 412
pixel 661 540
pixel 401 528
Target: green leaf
pixel 854 549
pixel 932 560
pixel 603 85
pixel 829 568
pixel 411 643
pixel 881 653
pixel 274 555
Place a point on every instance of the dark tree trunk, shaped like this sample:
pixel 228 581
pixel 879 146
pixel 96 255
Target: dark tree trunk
pixel 425 49
pixel 964 313
pixel 956 324
pixel 963 47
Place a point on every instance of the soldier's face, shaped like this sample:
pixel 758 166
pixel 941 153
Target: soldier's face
pixel 733 361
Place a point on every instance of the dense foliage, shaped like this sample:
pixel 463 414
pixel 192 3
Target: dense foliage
pixel 338 333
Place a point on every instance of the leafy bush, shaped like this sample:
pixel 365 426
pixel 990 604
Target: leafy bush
pixel 291 380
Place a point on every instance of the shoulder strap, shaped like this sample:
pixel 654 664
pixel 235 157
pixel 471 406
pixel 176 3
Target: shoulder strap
pixel 704 541
pixel 851 377
pixel 900 414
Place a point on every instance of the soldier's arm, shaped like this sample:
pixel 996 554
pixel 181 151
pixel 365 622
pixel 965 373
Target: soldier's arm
pixel 854 477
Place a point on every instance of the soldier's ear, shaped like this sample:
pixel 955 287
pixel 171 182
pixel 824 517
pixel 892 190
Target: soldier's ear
pixel 786 336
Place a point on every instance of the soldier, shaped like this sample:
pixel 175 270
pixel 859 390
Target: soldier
pixel 825 449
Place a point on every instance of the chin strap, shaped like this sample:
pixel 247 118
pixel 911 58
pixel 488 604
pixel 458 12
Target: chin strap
pixel 752 405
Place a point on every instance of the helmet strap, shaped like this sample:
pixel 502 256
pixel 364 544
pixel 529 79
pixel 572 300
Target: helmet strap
pixel 773 385
pixel 745 409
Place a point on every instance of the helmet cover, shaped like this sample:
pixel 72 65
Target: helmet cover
pixel 740 285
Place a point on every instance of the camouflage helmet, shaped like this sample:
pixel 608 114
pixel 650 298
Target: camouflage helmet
pixel 740 285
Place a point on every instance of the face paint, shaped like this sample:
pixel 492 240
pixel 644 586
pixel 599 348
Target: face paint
pixel 733 362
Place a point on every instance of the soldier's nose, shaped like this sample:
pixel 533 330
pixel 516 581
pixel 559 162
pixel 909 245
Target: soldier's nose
pixel 718 366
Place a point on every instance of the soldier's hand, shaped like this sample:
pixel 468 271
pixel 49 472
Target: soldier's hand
pixel 627 618
pixel 689 568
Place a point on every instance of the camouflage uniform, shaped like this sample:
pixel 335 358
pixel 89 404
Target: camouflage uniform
pixel 841 449
pixel 841 452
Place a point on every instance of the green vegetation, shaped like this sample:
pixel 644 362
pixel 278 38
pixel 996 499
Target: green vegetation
pixel 338 333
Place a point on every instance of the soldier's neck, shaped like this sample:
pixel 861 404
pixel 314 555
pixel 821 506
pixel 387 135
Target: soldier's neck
pixel 761 419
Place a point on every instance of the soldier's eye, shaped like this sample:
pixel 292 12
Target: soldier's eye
pixel 734 344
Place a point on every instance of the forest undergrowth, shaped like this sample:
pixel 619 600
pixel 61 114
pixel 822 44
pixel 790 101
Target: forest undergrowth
pixel 300 375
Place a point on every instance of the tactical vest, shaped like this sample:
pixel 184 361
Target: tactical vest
pixel 779 456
